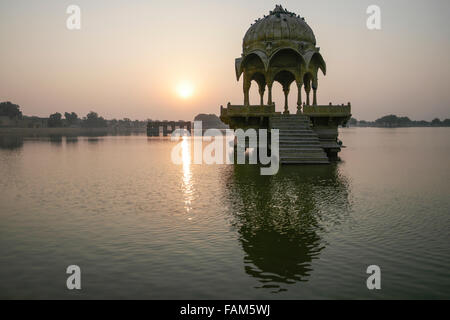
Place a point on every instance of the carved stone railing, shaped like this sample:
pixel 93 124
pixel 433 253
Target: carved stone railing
pixel 327 110
pixel 257 110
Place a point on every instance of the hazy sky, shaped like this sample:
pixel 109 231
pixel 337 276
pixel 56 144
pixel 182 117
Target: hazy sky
pixel 130 55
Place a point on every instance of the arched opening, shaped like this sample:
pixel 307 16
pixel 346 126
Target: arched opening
pixel 260 79
pixel 285 79
pixel 287 58
pixel 307 79
pixel 278 97
pixel 287 64
pixel 257 88
pixel 254 69
pixel 254 93
pixel 253 63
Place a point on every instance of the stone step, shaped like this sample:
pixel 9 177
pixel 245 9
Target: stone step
pixel 300 146
pixel 293 129
pixel 303 153
pixel 290 123
pixel 318 155
pixel 300 130
pixel 302 158
pixel 283 128
pixel 299 138
pixel 298 143
pixel 309 156
pixel 291 141
pixel 297 134
pixel 297 130
pixel 303 161
pixel 290 138
pixel 306 149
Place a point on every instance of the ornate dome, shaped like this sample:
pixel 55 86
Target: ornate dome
pixel 280 47
pixel 280 28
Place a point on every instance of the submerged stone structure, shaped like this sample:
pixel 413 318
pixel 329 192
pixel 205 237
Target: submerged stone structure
pixel 281 47
pixel 164 128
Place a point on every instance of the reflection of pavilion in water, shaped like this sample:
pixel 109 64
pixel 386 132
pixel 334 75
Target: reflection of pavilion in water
pixel 280 219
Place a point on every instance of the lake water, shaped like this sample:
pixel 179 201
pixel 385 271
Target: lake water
pixel 140 226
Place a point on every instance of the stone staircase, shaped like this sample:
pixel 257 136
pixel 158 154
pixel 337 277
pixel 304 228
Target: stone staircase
pixel 298 142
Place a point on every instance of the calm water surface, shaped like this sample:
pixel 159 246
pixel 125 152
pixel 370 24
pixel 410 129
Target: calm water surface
pixel 142 227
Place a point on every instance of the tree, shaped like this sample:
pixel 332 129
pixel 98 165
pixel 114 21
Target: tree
pixel 210 121
pixel 436 122
pixel 363 123
pixel 92 120
pixel 125 123
pixel 353 122
pixel 393 121
pixel 11 110
pixel 55 120
pixel 71 118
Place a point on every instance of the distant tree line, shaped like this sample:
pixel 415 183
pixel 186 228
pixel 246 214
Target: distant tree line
pixel 393 121
pixel 91 120
pixel 11 110
pixel 70 119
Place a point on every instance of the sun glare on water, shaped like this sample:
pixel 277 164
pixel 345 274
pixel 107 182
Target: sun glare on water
pixel 185 90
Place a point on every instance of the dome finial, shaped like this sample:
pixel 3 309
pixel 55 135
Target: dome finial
pixel 278 9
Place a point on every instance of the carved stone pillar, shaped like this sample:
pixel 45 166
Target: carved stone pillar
pixel 269 88
pixel 307 90
pixel 261 94
pixel 286 93
pixel 247 84
pixel 314 86
pixel 299 97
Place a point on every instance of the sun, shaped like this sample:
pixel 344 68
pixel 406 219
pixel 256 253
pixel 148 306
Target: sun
pixel 185 90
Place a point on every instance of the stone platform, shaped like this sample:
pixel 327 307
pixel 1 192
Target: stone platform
pixel 308 137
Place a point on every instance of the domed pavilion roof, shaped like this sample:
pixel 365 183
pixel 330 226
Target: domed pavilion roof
pixel 279 41
pixel 280 28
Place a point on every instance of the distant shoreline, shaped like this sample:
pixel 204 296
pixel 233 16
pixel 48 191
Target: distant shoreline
pixel 68 131
pixel 78 131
